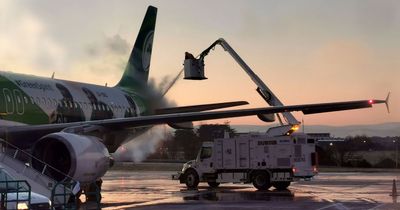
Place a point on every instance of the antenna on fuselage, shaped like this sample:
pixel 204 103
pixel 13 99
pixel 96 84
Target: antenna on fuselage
pixel 52 76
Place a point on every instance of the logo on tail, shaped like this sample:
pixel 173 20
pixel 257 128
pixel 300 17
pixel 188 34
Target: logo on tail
pixel 146 54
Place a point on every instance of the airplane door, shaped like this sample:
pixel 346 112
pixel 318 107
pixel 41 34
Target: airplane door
pixel 19 102
pixel 9 101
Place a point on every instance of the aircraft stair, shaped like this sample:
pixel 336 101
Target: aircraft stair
pixel 40 183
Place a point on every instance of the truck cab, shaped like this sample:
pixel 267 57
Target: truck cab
pixel 202 165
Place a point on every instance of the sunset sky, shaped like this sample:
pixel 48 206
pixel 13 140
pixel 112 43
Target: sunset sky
pixel 305 51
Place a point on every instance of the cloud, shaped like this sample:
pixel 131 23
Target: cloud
pixel 25 42
pixel 114 45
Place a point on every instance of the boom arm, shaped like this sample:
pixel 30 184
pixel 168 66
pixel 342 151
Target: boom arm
pixel 262 89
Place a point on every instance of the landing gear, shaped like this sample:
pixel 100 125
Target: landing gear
pixel 261 181
pixel 281 185
pixel 93 191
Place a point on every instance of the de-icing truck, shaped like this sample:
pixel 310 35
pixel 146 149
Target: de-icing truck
pixel 252 158
pixel 274 158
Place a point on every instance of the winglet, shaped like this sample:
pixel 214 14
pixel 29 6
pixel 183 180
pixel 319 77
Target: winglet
pixel 387 102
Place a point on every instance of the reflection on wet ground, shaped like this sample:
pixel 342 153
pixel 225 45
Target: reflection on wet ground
pixel 231 195
pixel 155 190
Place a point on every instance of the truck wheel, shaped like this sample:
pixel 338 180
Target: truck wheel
pixel 281 185
pixel 191 179
pixel 261 181
pixel 213 184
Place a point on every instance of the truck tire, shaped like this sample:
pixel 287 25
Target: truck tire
pixel 191 179
pixel 281 185
pixel 261 181
pixel 213 184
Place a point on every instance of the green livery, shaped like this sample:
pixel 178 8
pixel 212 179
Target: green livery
pixel 33 100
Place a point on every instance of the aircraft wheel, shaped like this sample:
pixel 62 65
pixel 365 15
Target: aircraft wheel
pixel 94 191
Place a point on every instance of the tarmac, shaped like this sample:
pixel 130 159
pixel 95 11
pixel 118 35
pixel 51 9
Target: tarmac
pixel 149 189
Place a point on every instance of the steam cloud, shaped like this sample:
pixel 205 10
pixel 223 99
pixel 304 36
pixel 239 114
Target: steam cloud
pixel 141 147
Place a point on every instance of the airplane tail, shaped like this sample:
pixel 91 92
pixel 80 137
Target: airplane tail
pixel 137 70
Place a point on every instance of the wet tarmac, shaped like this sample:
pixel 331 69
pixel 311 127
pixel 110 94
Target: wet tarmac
pixel 327 191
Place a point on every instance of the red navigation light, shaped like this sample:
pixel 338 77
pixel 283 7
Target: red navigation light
pixel 371 101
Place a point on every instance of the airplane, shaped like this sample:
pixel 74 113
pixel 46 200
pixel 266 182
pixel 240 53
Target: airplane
pixel 75 126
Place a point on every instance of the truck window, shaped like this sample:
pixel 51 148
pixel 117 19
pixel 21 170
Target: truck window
pixel 310 141
pixel 205 152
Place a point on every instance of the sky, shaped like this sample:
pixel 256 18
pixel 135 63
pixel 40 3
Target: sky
pixel 305 51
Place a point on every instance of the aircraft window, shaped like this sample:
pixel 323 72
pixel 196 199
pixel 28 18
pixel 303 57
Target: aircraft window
pixel 8 98
pixel 25 99
pixel 94 107
pixel 18 99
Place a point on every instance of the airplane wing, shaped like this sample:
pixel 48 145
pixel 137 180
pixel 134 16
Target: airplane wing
pixel 200 108
pixel 120 123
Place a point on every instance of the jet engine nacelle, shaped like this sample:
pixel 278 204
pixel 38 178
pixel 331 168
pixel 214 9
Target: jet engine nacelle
pixel 83 158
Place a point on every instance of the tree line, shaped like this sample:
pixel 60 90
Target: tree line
pixel 354 151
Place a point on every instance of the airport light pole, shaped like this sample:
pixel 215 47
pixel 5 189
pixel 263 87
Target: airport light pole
pixel 397 152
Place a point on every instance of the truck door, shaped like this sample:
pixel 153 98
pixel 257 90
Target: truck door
pixel 218 153
pixel 243 153
pixel 206 160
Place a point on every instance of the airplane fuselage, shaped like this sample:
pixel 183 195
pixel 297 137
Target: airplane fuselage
pixel 32 100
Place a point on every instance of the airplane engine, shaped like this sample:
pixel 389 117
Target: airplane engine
pixel 83 158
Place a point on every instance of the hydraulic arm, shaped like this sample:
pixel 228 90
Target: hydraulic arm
pixel 194 69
